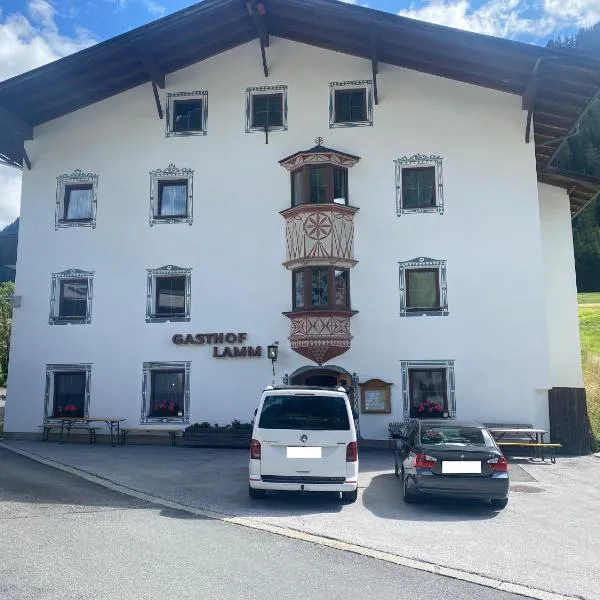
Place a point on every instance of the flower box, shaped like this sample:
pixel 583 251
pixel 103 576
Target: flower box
pixel 232 436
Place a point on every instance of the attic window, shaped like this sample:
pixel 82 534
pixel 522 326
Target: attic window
pixel 266 107
pixel 186 113
pixel 350 103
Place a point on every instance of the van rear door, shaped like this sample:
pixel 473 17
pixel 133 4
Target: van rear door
pixel 304 436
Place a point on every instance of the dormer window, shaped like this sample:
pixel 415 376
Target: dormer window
pixel 320 185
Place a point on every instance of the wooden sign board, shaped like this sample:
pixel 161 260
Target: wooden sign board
pixel 375 397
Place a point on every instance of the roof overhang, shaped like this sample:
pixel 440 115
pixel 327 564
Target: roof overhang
pixel 556 86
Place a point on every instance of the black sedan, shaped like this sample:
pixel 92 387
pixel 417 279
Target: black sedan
pixel 457 459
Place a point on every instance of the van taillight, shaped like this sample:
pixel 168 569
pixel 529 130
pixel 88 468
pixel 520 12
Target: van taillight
pixel 351 452
pixel 498 464
pixel 255 450
pixel 424 461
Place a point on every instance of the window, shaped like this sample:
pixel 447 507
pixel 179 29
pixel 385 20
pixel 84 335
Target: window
pixel 71 297
pixel 428 389
pixel 76 196
pixel 350 103
pixel 321 288
pixel 67 391
pixel 419 186
pixel 168 294
pixel 320 185
pixel 266 106
pixel 171 195
pixel 186 113
pixel 166 392
pixel 423 287
pixel 309 413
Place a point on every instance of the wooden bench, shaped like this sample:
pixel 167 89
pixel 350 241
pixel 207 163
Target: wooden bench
pixel 48 427
pixel 538 448
pixel 172 431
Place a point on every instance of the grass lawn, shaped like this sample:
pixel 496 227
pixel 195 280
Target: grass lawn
pixel 589 327
pixel 589 298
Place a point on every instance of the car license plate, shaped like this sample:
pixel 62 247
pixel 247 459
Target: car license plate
pixel 303 452
pixel 461 466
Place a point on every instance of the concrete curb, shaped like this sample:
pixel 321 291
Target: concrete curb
pixel 483 580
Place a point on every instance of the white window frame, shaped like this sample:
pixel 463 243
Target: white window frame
pixel 417 161
pixel 147 391
pixel 171 173
pixel 423 365
pixel 366 84
pixel 57 279
pixel 423 262
pixel 273 90
pixel 167 271
pixel 63 182
pixel 170 112
pixel 49 387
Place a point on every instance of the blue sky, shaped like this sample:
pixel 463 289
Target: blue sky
pixel 35 32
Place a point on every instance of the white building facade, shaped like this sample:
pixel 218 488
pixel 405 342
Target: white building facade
pixel 403 238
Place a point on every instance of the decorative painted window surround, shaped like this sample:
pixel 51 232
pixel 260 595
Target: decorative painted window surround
pixel 147 394
pixel 171 175
pixel 424 365
pixel 422 262
pixel 420 161
pixel 172 98
pixel 367 86
pixel 151 303
pixel 55 297
pixel 51 371
pixel 75 180
pixel 274 90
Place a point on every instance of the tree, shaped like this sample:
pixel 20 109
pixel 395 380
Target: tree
pixel 6 289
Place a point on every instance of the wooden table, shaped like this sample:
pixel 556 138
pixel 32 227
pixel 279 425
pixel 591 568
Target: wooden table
pixel 536 436
pixel 113 423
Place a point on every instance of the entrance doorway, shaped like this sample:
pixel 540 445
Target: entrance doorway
pixel 321 377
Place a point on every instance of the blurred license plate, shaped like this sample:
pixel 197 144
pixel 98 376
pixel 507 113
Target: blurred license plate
pixel 461 466
pixel 302 452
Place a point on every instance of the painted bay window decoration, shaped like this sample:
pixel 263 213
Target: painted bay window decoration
pixel 76 200
pixel 266 108
pixel 419 184
pixel 67 392
pixel 423 287
pixel 350 103
pixel 320 251
pixel 166 392
pixel 168 294
pixel 321 288
pixel 428 389
pixel 71 297
pixel 171 195
pixel 187 113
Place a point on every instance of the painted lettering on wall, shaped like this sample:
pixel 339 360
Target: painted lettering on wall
pixel 229 351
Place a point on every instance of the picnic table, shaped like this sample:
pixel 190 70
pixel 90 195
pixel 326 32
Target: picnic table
pixel 113 423
pixel 535 435
pixel 525 437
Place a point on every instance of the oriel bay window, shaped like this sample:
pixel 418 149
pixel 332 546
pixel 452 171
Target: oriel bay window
pixel 317 288
pixel 166 392
pixel 322 184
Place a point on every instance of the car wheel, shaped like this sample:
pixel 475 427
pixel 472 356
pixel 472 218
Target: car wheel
pixel 349 497
pixel 499 503
pixel 406 495
pixel 254 493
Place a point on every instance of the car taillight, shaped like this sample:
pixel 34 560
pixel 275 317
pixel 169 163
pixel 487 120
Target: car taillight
pixel 424 461
pixel 351 452
pixel 498 464
pixel 255 449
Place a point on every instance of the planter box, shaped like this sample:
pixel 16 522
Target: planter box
pixel 217 437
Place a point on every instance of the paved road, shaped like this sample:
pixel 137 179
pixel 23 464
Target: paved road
pixel 62 537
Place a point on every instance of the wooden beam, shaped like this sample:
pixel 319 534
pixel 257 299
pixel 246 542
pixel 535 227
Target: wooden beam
pixel 157 100
pixel 15 125
pixel 256 9
pixel 26 159
pixel 263 55
pixel 157 75
pixel 528 126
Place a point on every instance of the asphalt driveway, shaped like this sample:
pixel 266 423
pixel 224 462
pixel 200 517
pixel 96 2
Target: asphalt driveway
pixel 543 539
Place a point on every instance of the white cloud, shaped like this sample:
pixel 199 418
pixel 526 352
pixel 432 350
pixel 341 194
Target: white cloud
pixel 154 8
pixel 509 18
pixel 26 42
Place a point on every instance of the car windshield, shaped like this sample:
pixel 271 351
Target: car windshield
pixel 448 434
pixel 298 411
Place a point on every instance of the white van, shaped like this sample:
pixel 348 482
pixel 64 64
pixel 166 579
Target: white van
pixel 304 439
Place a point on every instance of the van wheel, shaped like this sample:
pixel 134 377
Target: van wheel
pixel 254 493
pixel 499 503
pixel 349 497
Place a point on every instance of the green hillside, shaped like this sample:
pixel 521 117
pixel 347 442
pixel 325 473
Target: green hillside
pixel 589 326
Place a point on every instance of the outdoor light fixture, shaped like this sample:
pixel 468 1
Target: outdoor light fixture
pixel 272 352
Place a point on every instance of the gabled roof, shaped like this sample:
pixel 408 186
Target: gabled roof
pixel 556 86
